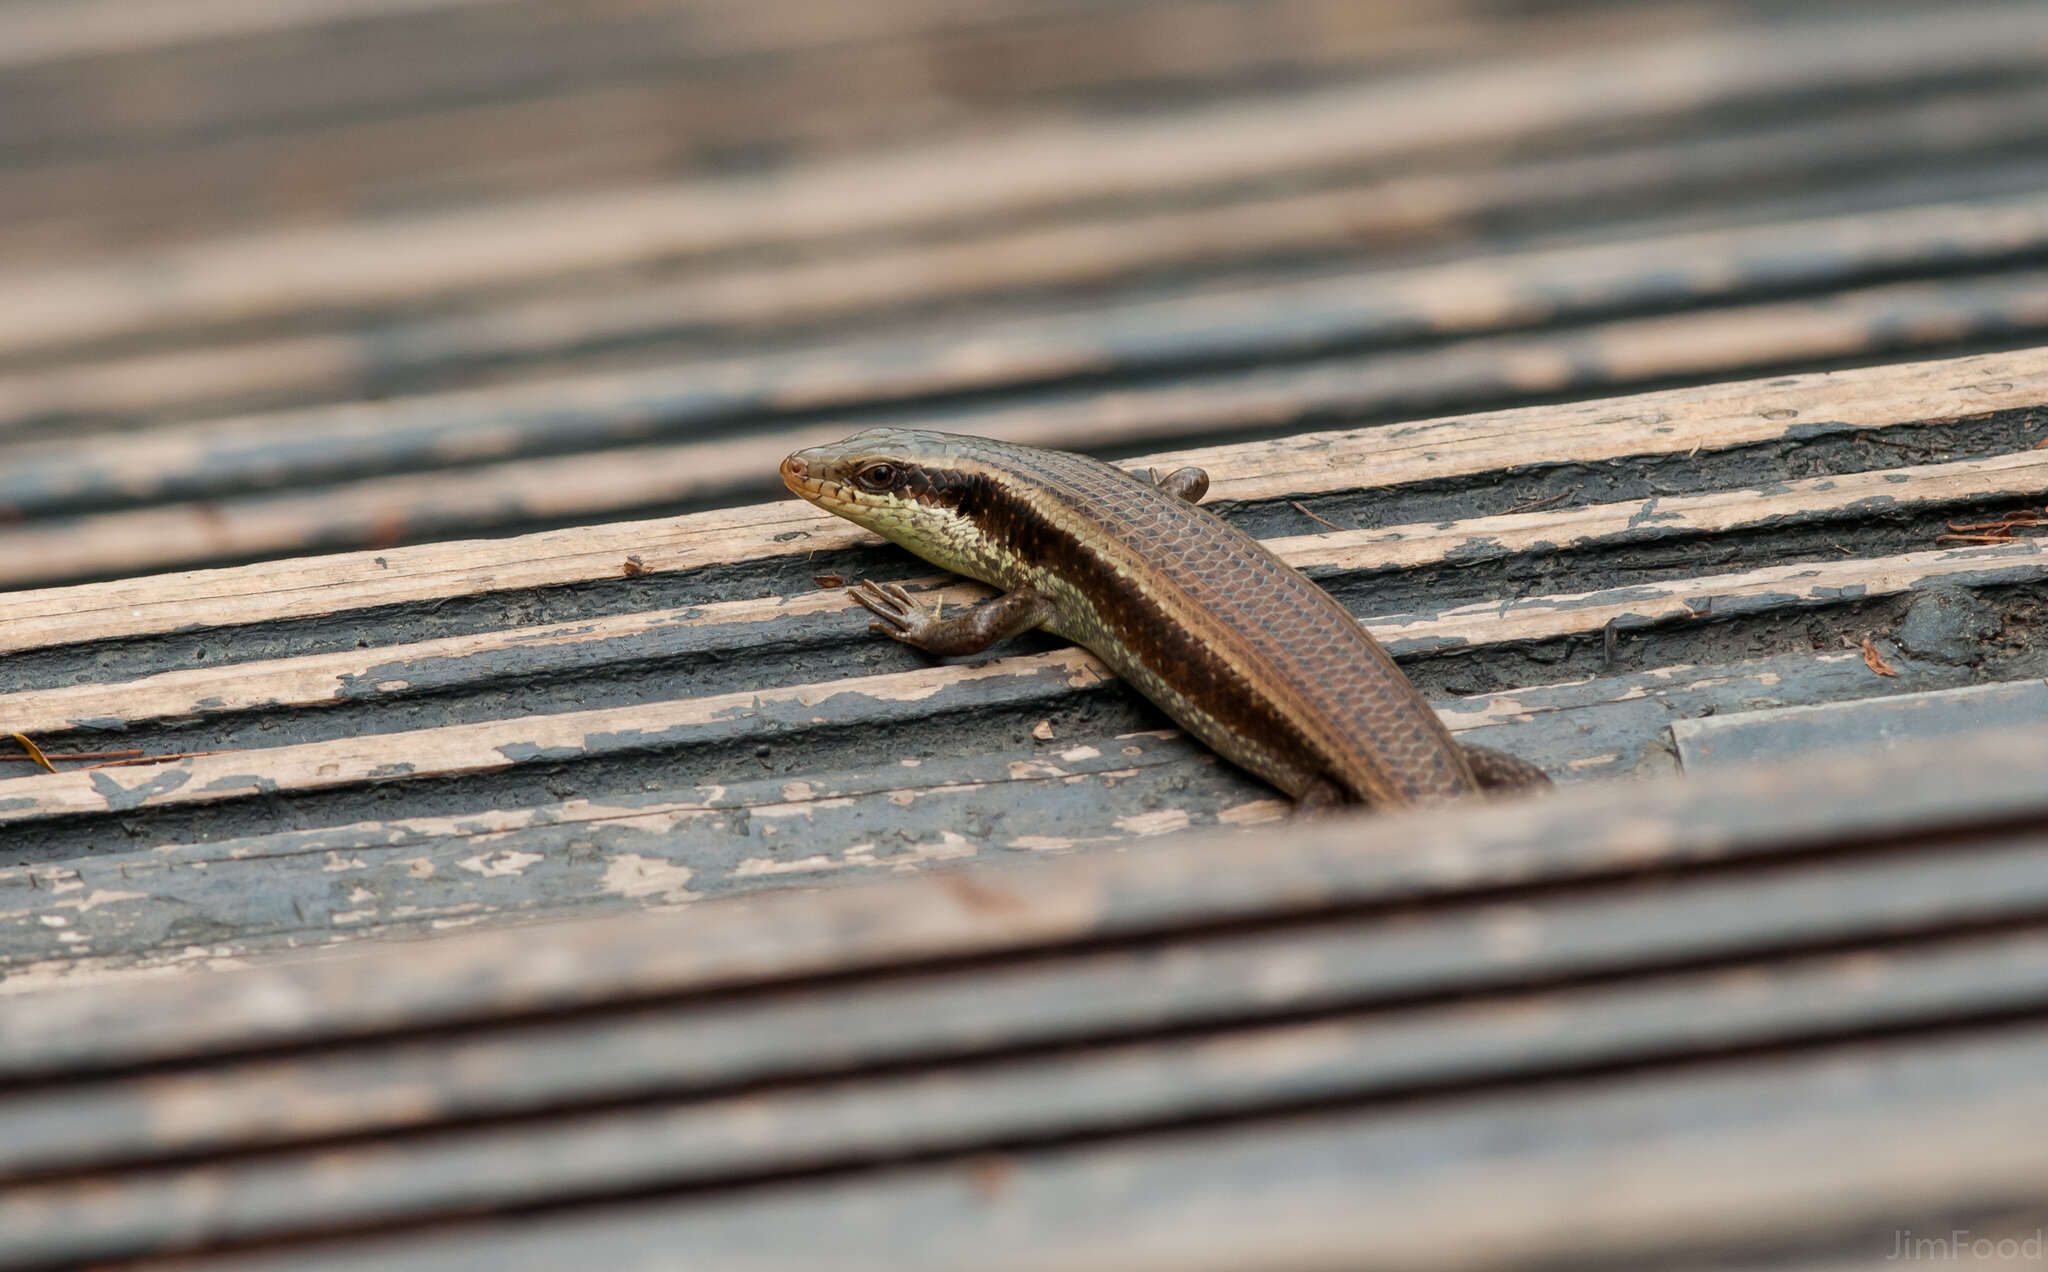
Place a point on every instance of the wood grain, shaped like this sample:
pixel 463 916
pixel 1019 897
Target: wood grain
pixel 1679 421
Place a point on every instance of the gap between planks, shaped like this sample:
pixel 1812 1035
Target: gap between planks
pixel 1681 421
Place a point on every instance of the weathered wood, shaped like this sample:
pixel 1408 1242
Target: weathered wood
pixel 1590 832
pixel 521 75
pixel 56 32
pixel 954 1014
pixel 608 482
pixel 1783 733
pixel 262 277
pixel 1226 983
pixel 1476 294
pixel 428 666
pixel 1246 324
pixel 472 748
pixel 1668 422
pixel 608 894
pixel 1800 1151
pixel 194 904
pixel 1020 1100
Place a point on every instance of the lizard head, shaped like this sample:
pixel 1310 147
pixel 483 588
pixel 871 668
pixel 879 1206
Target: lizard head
pixel 908 486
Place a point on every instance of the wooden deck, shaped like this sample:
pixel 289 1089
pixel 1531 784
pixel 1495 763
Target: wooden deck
pixel 404 741
pixel 390 400
pixel 1783 1017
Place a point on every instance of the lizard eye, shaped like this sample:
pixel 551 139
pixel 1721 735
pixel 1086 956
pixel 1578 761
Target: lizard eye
pixel 876 477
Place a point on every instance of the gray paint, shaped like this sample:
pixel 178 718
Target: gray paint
pixel 1871 724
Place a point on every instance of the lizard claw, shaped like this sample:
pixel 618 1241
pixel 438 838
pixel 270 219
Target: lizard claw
pixel 901 617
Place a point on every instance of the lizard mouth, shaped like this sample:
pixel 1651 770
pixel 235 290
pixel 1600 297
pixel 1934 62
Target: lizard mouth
pixel 796 474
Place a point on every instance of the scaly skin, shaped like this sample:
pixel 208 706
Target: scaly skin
pixel 1241 649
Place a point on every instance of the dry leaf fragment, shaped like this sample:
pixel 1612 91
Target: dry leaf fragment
pixel 33 751
pixel 1875 661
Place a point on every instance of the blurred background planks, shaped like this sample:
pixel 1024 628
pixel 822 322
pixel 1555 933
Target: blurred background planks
pixel 295 278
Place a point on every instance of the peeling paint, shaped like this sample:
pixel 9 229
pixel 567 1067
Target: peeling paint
pixel 801 810
pixel 499 864
pixel 1154 823
pixel 1031 770
pixel 1256 812
pixel 103 896
pixel 122 799
pixel 754 867
pixel 1043 843
pixel 633 876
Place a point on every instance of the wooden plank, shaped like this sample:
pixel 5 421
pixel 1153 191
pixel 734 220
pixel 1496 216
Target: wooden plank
pixel 1476 294
pixel 627 60
pixel 1782 733
pixel 493 745
pixel 1773 588
pixel 1666 422
pixel 949 1014
pixel 1586 833
pixel 505 116
pixel 208 901
pixel 1244 323
pixel 427 666
pixel 1023 1100
pixel 60 30
pixel 263 276
pixel 1802 1151
pixel 401 877
pixel 1977 124
pixel 605 483
pixel 453 750
pixel 511 149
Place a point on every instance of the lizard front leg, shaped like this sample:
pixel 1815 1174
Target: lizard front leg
pixel 968 633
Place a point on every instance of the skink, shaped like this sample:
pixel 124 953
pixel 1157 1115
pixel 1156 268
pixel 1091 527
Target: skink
pixel 1239 648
